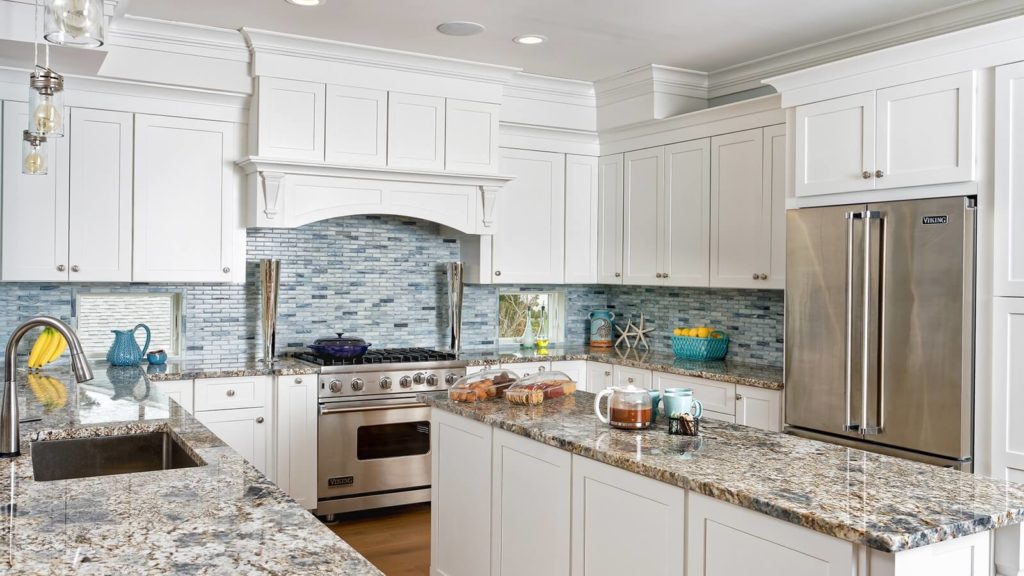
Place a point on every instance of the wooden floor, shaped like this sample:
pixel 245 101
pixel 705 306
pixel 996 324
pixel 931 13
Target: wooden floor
pixel 396 540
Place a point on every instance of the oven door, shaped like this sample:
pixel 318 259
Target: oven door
pixel 372 447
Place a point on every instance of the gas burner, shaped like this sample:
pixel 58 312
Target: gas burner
pixel 382 356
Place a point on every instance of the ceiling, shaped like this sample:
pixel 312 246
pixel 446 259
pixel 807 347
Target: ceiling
pixel 588 39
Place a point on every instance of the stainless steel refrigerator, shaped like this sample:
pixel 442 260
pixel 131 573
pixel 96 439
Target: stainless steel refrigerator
pixel 880 327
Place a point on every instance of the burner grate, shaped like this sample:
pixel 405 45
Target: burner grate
pixel 381 356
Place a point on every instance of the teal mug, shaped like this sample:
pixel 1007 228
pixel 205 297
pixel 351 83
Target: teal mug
pixel 681 401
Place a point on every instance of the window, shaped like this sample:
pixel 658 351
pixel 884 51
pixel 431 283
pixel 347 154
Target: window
pixel 98 314
pixel 515 307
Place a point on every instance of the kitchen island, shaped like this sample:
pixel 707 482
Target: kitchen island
pixel 551 490
pixel 222 517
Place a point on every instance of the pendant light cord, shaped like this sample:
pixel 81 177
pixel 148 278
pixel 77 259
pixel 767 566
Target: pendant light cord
pixel 35 36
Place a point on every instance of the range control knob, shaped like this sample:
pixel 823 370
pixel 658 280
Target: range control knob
pixel 432 380
pixel 335 385
pixel 419 378
pixel 357 384
pixel 450 379
pixel 385 383
pixel 405 382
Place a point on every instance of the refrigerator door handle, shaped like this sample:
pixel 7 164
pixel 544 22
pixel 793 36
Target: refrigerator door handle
pixel 865 428
pixel 851 217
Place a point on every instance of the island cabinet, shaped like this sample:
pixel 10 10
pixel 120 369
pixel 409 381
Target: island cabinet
pixel 238 411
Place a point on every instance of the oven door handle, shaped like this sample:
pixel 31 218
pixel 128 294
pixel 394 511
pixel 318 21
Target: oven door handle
pixel 325 411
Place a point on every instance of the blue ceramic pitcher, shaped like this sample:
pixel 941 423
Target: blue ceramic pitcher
pixel 125 350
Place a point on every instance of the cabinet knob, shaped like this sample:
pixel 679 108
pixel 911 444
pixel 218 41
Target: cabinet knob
pixel 739 396
pixel 541 369
pixel 607 373
pixel 618 274
pixel 664 274
pixel 231 393
pixel 497 272
pixel 61 268
pixel 259 419
pixel 756 275
pixel 879 174
pixel 866 174
pixel 657 275
pixel 227 270
pixel 630 380
pixel 764 276
pixel 298 380
pixel 74 268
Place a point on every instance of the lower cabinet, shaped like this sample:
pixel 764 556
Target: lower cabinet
pixel 1008 389
pixel 239 412
pixel 245 430
pixel 759 408
pixel 626 376
pixel 524 369
pixel 296 439
pixel 747 405
pixel 178 390
pixel 530 507
pixel 623 523
pixel 599 376
pixel 575 369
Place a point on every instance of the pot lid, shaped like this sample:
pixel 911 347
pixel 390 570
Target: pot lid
pixel 341 340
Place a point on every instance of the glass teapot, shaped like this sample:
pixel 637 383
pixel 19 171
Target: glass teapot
pixel 630 407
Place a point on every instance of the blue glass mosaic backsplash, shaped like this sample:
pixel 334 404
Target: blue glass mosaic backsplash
pixel 381 277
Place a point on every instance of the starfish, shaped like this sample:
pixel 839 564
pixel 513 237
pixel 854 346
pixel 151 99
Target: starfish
pixel 641 332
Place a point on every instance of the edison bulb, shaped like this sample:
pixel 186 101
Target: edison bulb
pixel 77 16
pixel 34 162
pixel 46 118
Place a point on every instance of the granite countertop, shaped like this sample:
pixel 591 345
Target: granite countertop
pixel 191 369
pixel 761 376
pixel 883 502
pixel 224 517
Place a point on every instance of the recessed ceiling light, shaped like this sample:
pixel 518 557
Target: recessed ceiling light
pixel 530 39
pixel 306 3
pixel 460 28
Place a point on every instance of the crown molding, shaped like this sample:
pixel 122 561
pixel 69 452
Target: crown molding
pixel 548 139
pixel 550 89
pixel 651 78
pixel 178 38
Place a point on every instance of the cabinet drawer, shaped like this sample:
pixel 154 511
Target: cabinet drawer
pixel 230 393
pixel 730 418
pixel 626 376
pixel 715 396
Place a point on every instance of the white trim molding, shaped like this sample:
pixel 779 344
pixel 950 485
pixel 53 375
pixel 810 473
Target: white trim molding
pixel 649 92
pixel 548 139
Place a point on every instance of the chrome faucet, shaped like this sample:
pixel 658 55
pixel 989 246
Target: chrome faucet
pixel 10 430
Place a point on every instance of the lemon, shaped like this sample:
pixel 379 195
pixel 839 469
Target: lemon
pixel 703 332
pixel 678 332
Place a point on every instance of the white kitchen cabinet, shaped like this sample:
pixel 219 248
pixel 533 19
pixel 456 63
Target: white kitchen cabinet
pixel 726 540
pixel 1008 388
pixel 741 206
pixel 246 431
pixel 186 200
pixel 759 408
pixel 774 182
pixel 416 131
pixel 642 190
pixel 181 391
pixel 609 219
pixel 581 219
pixel 35 208
pixel 529 245
pixel 460 511
pixel 524 369
pixel 724 417
pixel 835 145
pixel 1009 181
pixel 100 223
pixel 575 369
pixel 599 376
pixel 624 523
pixel 714 396
pixel 356 126
pixel 628 376
pixel 471 136
pixel 296 438
pixel 290 119
pixel 530 507
pixel 232 393
pixel 686 215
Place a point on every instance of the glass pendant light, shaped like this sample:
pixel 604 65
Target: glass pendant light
pixel 34 154
pixel 74 22
pixel 46 103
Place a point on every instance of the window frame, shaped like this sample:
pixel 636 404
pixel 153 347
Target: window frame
pixel 177 347
pixel 558 302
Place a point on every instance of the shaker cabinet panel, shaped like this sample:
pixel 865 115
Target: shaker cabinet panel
pixel 416 131
pixel 835 145
pixel 35 207
pixel 1008 388
pixel 740 211
pixel 686 214
pixel 644 182
pixel 290 119
pixel 775 186
pixel 759 408
pixel 1009 181
pixel 581 219
pixel 599 376
pixel 471 136
pixel 357 122
pixel 246 431
pixel 609 219
pixel 296 442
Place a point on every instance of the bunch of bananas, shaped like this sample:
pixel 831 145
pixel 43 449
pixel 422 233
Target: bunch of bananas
pixel 48 347
pixel 49 391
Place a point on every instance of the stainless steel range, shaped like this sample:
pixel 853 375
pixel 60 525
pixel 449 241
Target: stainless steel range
pixel 373 436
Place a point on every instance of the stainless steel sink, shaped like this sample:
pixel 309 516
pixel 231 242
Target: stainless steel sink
pixel 107 455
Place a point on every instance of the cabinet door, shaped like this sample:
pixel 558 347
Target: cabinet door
pixel 415 131
pixel 575 369
pixel 531 486
pixel 246 431
pixel 624 523
pixel 524 369
pixel 35 208
pixel 471 136
pixel 759 408
pixel 741 206
pixel 835 145
pixel 644 182
pixel 100 231
pixel 357 126
pixel 925 132
pixel 529 245
pixel 581 219
pixel 297 437
pixel 609 219
pixel 627 376
pixel 714 396
pixel 774 181
pixel 599 376
pixel 1008 389
pixel 186 200
pixel 686 214
pixel 460 509
pixel 1009 181
pixel 290 119
pixel 181 391
pixel 726 540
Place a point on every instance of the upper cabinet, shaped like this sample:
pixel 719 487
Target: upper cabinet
pixel 609 219
pixel 416 131
pixel 471 136
pixel 644 184
pixel 914 134
pixel 1009 181
pixel 291 119
pixel 685 207
pixel 186 200
pixel 357 126
pixel 581 219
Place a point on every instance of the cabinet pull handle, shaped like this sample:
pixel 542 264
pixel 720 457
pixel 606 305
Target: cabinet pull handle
pixel 739 396
pixel 259 419
pixel 541 369
pixel 74 268
pixel 764 276
pixel 618 274
pixel 298 380
pixel 657 275
pixel 879 174
pixel 756 276
pixel 866 174
pixel 231 393
pixel 61 268
pixel 497 272
pixel 607 373
pixel 630 380
pixel 227 270
pixel 664 274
